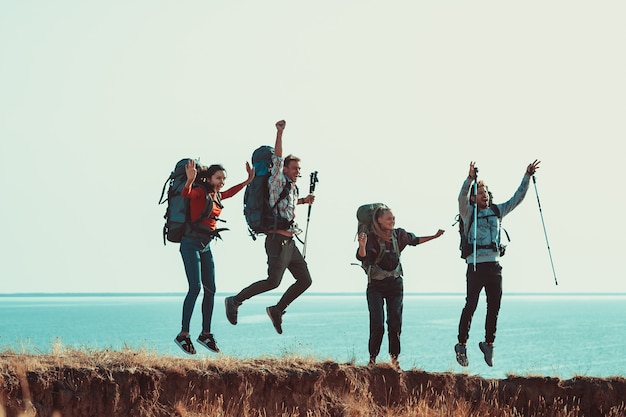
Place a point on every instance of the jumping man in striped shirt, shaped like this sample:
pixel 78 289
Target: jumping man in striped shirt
pixel 282 252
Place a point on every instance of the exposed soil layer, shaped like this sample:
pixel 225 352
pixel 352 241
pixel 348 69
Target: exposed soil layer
pixel 120 387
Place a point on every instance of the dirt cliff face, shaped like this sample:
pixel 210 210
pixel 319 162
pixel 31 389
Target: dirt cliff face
pixel 118 386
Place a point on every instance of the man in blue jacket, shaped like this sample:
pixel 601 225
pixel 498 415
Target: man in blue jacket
pixel 483 267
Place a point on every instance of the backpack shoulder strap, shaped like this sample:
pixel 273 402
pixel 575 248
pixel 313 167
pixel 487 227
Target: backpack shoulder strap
pixel 496 209
pixel 394 240
pixel 208 206
pixel 283 194
pixel 383 247
pixel 161 201
pixel 218 199
pixel 381 251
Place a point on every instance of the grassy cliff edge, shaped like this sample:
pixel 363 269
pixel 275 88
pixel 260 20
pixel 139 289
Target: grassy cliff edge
pixel 108 383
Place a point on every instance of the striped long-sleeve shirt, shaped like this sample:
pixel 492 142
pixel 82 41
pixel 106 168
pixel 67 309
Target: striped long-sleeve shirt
pixel 287 206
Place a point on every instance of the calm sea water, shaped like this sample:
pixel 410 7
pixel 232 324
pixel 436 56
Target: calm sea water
pixel 550 335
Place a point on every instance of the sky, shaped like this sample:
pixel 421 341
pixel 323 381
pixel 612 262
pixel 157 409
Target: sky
pixel 388 101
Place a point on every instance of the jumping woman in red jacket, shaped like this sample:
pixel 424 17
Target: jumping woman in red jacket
pixel 195 249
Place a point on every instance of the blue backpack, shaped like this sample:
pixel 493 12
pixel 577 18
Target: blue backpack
pixel 260 216
pixel 177 215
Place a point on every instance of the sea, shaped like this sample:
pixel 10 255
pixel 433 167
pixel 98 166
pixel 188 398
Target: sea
pixel 553 335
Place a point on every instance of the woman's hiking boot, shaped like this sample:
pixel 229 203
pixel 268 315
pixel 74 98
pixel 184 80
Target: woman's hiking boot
pixel 208 341
pixel 184 342
pixel 394 363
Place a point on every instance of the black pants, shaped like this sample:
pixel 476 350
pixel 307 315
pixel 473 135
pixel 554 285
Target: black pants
pixel 488 275
pixel 390 291
pixel 282 254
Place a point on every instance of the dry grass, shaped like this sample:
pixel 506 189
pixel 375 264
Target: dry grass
pixel 355 402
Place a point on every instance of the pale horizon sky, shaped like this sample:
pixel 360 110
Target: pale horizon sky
pixel 387 101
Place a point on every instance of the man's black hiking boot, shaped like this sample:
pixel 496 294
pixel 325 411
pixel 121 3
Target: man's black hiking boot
pixel 232 306
pixel 487 350
pixel 277 318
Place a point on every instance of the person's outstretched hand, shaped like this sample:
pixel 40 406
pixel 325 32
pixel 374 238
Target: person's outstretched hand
pixel 532 167
pixel 472 170
pixel 250 171
pixel 190 170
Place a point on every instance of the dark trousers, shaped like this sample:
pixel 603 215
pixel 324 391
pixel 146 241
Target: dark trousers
pixel 282 254
pixel 390 291
pixel 200 270
pixel 488 275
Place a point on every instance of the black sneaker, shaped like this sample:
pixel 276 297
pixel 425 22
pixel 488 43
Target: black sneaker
pixel 461 354
pixel 231 309
pixel 208 342
pixel 184 342
pixel 277 318
pixel 487 350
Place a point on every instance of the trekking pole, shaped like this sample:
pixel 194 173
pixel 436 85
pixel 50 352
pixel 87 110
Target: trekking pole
pixel 313 181
pixel 475 213
pixel 544 230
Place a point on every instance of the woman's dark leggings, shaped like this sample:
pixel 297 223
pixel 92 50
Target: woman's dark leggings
pixel 391 291
pixel 200 270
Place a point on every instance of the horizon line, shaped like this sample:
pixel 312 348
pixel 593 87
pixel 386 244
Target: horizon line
pixel 270 293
